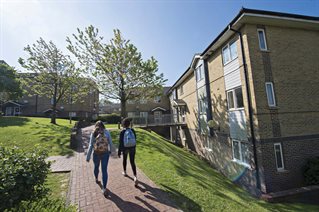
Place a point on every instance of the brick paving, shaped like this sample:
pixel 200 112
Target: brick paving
pixel 61 163
pixel 122 195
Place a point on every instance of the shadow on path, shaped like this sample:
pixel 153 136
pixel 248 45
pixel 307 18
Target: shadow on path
pixel 125 205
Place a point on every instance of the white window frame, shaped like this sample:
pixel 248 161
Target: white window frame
pixel 200 73
pixel 157 99
pixel 264 38
pixel 240 161
pixel 130 102
pixel 234 98
pixel 143 114
pixel 181 90
pixel 273 94
pixel 228 52
pixel 281 157
pixel 143 101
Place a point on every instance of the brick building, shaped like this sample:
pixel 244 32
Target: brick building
pixel 34 105
pixel 250 100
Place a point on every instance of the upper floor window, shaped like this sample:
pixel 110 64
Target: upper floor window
pixel 143 101
pixel 200 73
pixel 174 94
pixel 279 156
pixel 270 94
pixel 229 52
pixel 235 98
pixel 181 90
pixel 130 102
pixel 157 99
pixel 262 39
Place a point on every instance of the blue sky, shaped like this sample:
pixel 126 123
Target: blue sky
pixel 170 30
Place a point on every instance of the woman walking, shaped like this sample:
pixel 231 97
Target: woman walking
pixel 128 147
pixel 101 145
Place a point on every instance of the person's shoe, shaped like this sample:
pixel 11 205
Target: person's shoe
pixel 103 191
pixel 124 174
pixel 97 181
pixel 135 181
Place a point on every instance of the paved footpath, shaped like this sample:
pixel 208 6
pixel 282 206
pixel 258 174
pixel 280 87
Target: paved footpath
pixel 123 195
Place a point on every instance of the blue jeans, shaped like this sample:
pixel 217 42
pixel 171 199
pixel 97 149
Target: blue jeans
pixel 104 160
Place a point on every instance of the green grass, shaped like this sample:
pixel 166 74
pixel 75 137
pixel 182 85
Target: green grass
pixel 113 126
pixel 28 133
pixel 58 184
pixel 192 183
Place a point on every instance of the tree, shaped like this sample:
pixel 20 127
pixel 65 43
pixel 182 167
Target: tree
pixel 10 86
pixel 117 67
pixel 53 74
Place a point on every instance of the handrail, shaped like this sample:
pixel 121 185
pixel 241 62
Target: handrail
pixel 155 120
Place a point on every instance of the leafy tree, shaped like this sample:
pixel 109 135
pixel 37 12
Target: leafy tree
pixel 117 67
pixel 53 74
pixel 10 86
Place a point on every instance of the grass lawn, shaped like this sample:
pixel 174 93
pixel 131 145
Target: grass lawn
pixel 29 132
pixel 58 184
pixel 192 183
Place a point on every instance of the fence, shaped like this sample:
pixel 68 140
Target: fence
pixel 153 120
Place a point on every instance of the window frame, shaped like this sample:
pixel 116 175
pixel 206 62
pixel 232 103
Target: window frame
pixel 229 52
pixel 240 161
pixel 157 99
pixel 181 90
pixel 199 73
pixel 235 103
pixel 264 38
pixel 281 157
pixel 273 94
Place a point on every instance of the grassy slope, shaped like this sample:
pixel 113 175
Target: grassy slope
pixel 27 132
pixel 58 184
pixel 192 183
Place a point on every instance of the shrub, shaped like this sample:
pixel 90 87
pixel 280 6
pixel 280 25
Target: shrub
pixel 22 175
pixel 110 118
pixel 45 204
pixel 311 171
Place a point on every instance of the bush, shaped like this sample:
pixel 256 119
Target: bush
pixel 22 176
pixel 311 171
pixel 45 204
pixel 110 118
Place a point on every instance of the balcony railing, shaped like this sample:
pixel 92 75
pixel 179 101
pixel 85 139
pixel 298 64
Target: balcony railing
pixel 163 120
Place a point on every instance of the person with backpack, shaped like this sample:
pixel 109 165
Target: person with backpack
pixel 101 145
pixel 128 147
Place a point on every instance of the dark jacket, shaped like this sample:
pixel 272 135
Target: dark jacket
pixel 122 148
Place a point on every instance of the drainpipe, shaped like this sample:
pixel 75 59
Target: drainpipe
pixel 208 96
pixel 251 123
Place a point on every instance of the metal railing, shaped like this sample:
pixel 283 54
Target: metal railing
pixel 153 120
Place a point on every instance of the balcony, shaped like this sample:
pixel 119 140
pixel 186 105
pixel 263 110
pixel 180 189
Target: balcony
pixel 162 120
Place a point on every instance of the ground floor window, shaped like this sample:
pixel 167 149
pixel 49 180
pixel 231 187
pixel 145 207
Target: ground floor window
pixel 241 151
pixel 279 157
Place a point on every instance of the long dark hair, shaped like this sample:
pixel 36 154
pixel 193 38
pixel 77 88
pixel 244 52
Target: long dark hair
pixel 98 127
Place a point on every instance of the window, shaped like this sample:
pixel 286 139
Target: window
pixel 143 114
pixel 235 98
pixel 279 156
pixel 229 52
pixel 157 99
pixel 174 94
pixel 143 101
pixel 130 114
pixel 262 39
pixel 241 151
pixel 181 90
pixel 270 94
pixel 130 102
pixel 200 73
pixel 202 106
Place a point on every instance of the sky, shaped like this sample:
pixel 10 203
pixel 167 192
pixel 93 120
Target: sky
pixel 172 31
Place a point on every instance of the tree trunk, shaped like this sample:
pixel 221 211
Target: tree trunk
pixel 53 115
pixel 123 108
